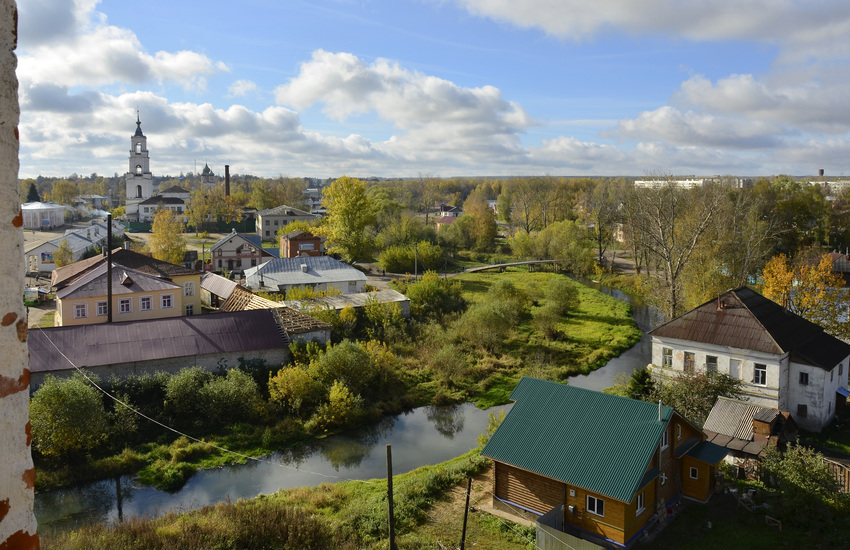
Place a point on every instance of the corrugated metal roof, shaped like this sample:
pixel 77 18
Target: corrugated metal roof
pixel 127 258
pixel 124 281
pixel 355 300
pixel 284 210
pixel 288 271
pixel 601 442
pixel 708 452
pixel 217 285
pixel 744 319
pixel 111 343
pixel 734 418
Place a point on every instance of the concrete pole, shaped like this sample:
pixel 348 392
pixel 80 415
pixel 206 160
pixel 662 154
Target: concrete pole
pixel 18 528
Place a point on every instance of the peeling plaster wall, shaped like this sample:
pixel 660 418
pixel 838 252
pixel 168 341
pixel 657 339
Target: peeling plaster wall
pixel 18 528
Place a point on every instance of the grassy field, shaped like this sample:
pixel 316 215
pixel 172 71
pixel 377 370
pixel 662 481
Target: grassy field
pixel 599 329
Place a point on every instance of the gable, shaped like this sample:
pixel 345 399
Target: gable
pixel 744 319
pixel 600 442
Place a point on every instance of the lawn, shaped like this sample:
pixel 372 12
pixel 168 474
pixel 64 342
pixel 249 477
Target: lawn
pixel 599 329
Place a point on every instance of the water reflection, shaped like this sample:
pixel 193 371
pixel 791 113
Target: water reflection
pixel 428 435
pixel 447 420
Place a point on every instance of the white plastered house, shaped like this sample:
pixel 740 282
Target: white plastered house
pixel 783 360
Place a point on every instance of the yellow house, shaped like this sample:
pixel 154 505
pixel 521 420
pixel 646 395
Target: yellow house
pixel 152 289
pixel 135 296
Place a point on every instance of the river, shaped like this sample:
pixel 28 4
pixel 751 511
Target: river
pixel 426 435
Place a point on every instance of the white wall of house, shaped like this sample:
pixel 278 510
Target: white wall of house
pixel 781 387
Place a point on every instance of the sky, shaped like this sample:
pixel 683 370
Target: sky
pixel 445 88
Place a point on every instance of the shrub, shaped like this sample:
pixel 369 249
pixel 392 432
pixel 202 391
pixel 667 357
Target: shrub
pixel 231 398
pixel 68 418
pixel 562 294
pixel 343 408
pixel 348 363
pixel 182 405
pixel 295 390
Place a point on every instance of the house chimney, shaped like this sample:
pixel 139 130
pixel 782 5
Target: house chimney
pixel 820 172
pixel 226 180
pixel 303 268
pixel 659 410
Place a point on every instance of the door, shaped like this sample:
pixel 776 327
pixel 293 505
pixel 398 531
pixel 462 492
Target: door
pixel 735 368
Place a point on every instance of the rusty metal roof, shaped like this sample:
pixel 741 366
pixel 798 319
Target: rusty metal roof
pixel 127 258
pixel 292 321
pixel 734 418
pixel 113 343
pixel 603 443
pixel 744 319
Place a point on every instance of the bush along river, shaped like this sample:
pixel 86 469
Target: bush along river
pixel 426 435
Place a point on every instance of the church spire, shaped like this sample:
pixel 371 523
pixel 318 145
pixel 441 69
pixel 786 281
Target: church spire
pixel 138 126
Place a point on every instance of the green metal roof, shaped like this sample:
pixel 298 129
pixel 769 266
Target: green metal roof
pixel 708 452
pixel 600 442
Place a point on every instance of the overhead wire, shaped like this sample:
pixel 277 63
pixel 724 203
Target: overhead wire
pixel 135 411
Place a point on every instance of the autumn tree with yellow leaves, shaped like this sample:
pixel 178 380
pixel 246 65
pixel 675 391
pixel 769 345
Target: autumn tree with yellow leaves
pixel 809 288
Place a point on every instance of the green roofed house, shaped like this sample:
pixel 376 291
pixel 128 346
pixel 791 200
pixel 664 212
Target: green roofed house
pixel 616 465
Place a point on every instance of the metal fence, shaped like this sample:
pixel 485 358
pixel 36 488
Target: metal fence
pixel 550 534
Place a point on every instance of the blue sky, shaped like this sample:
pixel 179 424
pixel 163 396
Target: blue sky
pixel 441 87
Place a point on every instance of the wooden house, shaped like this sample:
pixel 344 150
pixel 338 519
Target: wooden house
pixel 614 464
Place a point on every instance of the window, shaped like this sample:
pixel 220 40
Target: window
pixel 188 288
pixel 147 210
pixel 124 305
pixel 804 379
pixel 306 246
pixel 190 309
pixel 275 223
pixel 694 473
pixel 664 441
pixel 145 303
pixel 139 170
pixel 219 263
pixel 267 233
pixel 138 147
pixel 667 358
pixel 102 309
pixel 760 374
pixel 690 361
pixel 81 311
pixel 239 263
pixel 253 262
pixel 267 223
pixel 678 432
pixel 595 505
pixel 711 364
pixel 640 504
pixel 167 301
pixel 802 411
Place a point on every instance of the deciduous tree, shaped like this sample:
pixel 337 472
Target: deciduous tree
pixel 166 241
pixel 63 255
pixel 809 288
pixel 349 213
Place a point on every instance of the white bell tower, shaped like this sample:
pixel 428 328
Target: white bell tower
pixel 139 178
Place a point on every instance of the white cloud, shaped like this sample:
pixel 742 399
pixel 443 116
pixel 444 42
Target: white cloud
pixel 432 116
pixel 799 29
pixel 82 50
pixel 808 105
pixel 698 129
pixel 241 88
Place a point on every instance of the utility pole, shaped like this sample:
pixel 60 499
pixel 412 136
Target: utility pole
pixel 390 495
pixel 465 514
